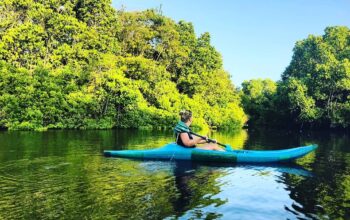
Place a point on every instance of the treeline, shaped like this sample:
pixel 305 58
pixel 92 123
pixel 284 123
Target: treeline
pixel 83 64
pixel 314 90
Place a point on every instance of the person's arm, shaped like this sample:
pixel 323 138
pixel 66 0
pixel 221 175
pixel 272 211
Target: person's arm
pixel 190 142
pixel 204 141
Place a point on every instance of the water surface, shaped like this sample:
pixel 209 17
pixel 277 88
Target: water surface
pixel 62 175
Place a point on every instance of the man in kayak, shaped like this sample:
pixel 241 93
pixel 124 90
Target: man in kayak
pixel 184 137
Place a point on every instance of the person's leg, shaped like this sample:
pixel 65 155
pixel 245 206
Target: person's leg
pixel 205 147
pixel 216 147
pixel 210 147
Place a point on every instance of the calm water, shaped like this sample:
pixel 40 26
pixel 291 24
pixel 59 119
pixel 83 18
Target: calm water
pixel 62 175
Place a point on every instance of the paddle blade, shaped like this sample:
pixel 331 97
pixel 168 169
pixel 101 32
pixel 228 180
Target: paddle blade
pixel 228 147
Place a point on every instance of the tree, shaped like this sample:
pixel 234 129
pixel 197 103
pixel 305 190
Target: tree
pixel 87 65
pixel 258 98
pixel 321 67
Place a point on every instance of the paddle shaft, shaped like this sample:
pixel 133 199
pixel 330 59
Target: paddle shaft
pixel 209 140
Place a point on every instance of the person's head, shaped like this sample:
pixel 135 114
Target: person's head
pixel 186 116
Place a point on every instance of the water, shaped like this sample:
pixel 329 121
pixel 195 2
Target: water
pixel 62 175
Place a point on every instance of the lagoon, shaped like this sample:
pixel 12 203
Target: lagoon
pixel 61 174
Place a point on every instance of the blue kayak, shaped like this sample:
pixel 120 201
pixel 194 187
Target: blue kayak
pixel 173 151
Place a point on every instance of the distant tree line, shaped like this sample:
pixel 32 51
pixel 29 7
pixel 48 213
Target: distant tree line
pixel 314 90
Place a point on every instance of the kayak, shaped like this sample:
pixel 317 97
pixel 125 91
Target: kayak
pixel 173 151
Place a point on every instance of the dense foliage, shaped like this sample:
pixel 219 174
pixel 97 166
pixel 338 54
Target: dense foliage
pixel 258 101
pixel 315 88
pixel 83 64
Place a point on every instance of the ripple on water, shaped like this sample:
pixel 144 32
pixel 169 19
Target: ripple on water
pixel 52 187
pixel 30 187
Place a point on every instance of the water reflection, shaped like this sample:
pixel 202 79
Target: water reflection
pixel 61 174
pixel 197 187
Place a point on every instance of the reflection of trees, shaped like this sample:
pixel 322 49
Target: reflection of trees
pixel 236 139
pixel 183 174
pixel 85 188
pixel 89 187
pixel 328 194
pixel 61 174
pixel 320 197
pixel 127 191
pixel 196 187
pixel 265 139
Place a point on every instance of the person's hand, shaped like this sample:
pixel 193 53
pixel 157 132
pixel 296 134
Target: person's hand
pixel 206 139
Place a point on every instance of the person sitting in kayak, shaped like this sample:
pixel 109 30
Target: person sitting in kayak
pixel 184 137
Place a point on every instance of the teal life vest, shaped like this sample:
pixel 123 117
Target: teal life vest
pixel 181 127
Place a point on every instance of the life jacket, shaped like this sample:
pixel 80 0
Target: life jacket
pixel 181 127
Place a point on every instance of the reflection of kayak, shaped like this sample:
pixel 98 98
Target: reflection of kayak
pixel 185 167
pixel 173 151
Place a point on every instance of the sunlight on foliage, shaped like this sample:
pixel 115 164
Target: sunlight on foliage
pixel 87 65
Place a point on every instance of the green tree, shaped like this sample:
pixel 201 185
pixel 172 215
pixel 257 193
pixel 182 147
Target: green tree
pixel 320 64
pixel 258 97
pixel 82 64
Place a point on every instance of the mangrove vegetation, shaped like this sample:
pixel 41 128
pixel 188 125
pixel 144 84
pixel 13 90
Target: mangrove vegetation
pixel 314 90
pixel 83 64
pixel 86 65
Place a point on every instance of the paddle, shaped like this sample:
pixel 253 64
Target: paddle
pixel 180 129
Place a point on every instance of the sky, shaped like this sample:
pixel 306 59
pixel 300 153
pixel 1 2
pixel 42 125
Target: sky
pixel 255 37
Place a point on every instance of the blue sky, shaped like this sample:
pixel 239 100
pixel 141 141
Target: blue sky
pixel 256 37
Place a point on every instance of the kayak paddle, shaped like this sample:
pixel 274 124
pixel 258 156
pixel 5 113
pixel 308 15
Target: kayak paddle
pixel 181 129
